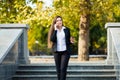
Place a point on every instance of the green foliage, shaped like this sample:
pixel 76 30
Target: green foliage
pixel 69 10
pixel 102 11
pixel 39 19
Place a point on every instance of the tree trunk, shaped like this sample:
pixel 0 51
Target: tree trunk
pixel 83 44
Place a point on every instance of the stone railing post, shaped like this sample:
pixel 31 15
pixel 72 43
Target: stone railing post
pixel 110 48
pixel 23 52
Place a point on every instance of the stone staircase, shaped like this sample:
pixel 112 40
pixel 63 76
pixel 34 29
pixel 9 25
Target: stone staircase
pixel 76 71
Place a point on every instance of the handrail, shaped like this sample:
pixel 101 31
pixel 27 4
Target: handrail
pixel 15 26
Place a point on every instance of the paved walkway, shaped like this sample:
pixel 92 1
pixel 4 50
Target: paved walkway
pixel 73 59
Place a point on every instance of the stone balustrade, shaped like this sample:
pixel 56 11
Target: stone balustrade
pixel 13 48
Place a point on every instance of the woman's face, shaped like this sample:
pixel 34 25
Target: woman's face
pixel 58 22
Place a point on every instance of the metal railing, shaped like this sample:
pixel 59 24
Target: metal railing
pixel 13 49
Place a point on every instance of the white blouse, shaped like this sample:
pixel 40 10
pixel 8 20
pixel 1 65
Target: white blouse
pixel 61 43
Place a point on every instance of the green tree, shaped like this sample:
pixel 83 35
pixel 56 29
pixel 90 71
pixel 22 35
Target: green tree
pixel 93 16
pixel 69 10
pixel 83 44
pixel 102 12
pixel 74 13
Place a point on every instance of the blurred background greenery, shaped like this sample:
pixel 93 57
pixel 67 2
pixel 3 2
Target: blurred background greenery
pixel 39 19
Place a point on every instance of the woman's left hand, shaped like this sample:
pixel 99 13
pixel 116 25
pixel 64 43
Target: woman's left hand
pixel 72 40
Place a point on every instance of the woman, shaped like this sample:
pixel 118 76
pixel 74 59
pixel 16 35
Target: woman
pixel 59 35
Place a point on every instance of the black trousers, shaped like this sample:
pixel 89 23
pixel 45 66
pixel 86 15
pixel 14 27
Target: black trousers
pixel 61 61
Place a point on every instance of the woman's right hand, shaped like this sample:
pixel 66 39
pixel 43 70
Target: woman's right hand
pixel 55 27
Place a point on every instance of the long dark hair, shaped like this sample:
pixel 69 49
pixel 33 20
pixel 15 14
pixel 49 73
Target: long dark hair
pixel 51 30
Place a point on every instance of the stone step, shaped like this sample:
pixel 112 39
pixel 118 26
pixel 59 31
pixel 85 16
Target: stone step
pixel 77 71
pixel 69 77
pixel 70 66
pixel 69 72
